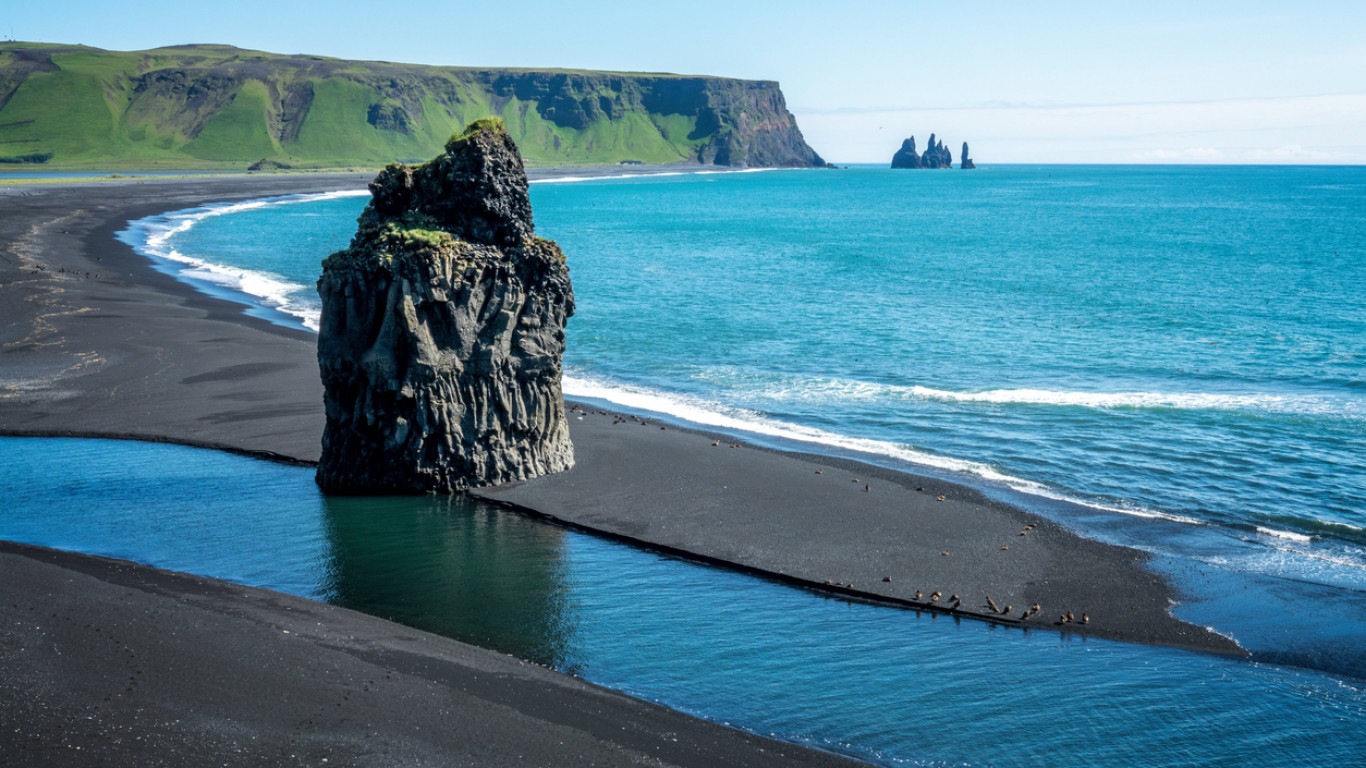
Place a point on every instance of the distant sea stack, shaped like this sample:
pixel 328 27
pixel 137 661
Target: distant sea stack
pixel 442 330
pixel 936 155
pixel 907 157
pixel 964 161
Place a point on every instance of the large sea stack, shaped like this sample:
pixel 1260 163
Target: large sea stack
pixel 936 155
pixel 442 330
pixel 965 162
pixel 907 157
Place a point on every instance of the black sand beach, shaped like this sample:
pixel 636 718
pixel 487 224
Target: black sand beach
pixel 111 664
pixel 129 352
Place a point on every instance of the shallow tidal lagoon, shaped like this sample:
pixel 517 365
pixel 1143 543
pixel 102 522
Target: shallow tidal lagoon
pixel 884 684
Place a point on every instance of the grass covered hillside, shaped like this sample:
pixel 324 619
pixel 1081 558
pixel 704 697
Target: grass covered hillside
pixel 214 106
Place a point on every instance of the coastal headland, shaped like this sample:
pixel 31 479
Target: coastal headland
pixel 97 342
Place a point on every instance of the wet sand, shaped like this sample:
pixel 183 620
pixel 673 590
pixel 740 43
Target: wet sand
pixel 111 664
pixel 125 351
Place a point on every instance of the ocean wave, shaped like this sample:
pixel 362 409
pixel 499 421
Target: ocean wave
pixel 154 237
pixel 1330 563
pixel 804 388
pixel 1300 537
pixel 711 414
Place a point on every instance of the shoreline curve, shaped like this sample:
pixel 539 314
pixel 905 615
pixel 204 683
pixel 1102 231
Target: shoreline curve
pixel 137 354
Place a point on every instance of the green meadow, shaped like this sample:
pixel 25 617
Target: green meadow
pixel 65 107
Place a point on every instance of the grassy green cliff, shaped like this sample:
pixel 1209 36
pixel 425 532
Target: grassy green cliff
pixel 212 106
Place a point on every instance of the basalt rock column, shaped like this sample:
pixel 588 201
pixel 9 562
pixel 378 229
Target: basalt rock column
pixel 442 330
pixel 965 162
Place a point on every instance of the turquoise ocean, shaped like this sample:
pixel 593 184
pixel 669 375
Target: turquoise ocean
pixel 1170 358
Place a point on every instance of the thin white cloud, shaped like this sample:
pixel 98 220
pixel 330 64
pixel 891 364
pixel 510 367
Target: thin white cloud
pixel 1191 154
pixel 1292 153
pixel 1302 129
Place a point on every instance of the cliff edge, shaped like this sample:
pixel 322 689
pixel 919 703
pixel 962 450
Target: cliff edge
pixel 442 330
pixel 215 106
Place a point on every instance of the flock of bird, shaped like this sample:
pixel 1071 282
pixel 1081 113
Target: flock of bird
pixel 953 603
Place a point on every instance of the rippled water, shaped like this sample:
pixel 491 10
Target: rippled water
pixel 1167 358
pixel 1163 341
pixel 883 684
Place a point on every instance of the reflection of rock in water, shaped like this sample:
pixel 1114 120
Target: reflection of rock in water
pixel 455 567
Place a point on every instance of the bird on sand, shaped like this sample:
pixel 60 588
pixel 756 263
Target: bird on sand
pixel 1085 619
pixel 934 598
pixel 954 602
pixel 918 594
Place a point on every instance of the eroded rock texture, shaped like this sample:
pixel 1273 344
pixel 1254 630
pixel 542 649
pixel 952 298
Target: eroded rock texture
pixel 907 156
pixel 936 155
pixel 965 162
pixel 442 330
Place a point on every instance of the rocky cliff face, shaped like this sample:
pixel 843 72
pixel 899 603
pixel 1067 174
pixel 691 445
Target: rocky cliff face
pixel 936 155
pixel 907 157
pixel 208 105
pixel 964 161
pixel 442 330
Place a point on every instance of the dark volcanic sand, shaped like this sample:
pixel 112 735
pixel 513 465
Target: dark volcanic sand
pixel 134 353
pixel 109 664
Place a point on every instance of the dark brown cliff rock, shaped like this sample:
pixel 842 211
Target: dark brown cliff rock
pixel 442 330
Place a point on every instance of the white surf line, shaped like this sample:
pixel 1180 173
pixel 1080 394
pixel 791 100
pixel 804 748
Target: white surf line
pixel 272 291
pixel 1300 537
pixel 813 388
pixel 709 414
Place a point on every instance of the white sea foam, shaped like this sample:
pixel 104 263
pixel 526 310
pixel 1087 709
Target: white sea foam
pixel 1333 563
pixel 1300 537
pixel 806 388
pixel 155 237
pixel 712 414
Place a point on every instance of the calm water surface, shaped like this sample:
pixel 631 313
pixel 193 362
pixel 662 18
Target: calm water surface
pixel 882 684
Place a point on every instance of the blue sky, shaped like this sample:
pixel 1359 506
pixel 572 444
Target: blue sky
pixel 1158 81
